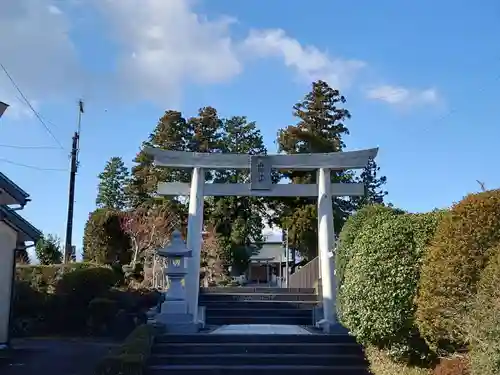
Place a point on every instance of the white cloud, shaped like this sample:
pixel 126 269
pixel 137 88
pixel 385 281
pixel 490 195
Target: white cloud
pixel 307 61
pixel 37 52
pixel 401 96
pixel 166 44
pixel 53 9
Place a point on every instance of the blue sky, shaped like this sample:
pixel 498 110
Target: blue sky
pixel 421 80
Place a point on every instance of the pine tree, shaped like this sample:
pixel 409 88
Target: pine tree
pixel 113 180
pixel 320 129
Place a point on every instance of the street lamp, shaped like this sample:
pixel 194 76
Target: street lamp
pixel 3 108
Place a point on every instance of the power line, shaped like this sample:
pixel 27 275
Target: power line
pixel 37 115
pixel 32 166
pixel 30 147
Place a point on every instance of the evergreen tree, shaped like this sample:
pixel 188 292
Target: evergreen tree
pixel 113 180
pixel 374 186
pixel 174 133
pixel 171 133
pixel 104 241
pixel 237 221
pixel 48 250
pixel 320 129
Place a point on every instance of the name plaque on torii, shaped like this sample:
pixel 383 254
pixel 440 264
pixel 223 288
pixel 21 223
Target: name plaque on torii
pixel 260 172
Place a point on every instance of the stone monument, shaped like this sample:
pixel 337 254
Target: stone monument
pixel 173 312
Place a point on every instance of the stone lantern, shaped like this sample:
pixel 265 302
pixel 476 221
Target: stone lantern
pixel 174 309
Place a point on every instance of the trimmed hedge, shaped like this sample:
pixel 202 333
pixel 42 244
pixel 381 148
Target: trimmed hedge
pixel 380 283
pixel 352 227
pixel 484 324
pixel 453 265
pixel 131 357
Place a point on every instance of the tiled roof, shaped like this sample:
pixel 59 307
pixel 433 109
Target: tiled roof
pixel 270 251
pixel 13 190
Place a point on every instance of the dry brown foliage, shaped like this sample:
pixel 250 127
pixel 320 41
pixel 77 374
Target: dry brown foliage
pixel 452 267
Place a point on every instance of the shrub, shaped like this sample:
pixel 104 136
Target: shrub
pixel 453 366
pixel 452 267
pixel 350 230
pixel 381 363
pixel 381 282
pixel 86 284
pixel 43 278
pixel 101 312
pixel 104 241
pixel 484 323
pixel 131 357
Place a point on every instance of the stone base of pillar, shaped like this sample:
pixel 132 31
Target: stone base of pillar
pixel 174 318
pixel 174 307
pixel 327 326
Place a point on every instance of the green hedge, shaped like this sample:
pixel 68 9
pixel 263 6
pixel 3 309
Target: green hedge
pixel 453 265
pixel 76 299
pixel 350 230
pixel 131 357
pixel 484 322
pixel 44 277
pixel 381 279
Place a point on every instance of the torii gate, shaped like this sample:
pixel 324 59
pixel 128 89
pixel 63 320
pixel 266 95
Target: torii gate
pixel 261 185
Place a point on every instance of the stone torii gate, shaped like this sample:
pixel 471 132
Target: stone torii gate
pixel 261 185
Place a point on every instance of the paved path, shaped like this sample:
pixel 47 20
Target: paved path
pixel 261 329
pixel 54 356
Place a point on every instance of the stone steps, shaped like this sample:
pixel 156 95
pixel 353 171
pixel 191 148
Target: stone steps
pixel 259 305
pixel 265 354
pixel 241 297
pixel 238 311
pixel 259 353
pixel 255 290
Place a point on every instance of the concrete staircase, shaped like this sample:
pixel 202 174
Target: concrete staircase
pixel 258 354
pixel 246 305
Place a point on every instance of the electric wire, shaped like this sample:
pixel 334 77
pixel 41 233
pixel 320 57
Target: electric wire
pixel 3 160
pixel 28 103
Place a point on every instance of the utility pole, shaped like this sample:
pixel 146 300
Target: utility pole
pixel 68 248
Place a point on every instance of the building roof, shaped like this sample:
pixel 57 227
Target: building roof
pixel 11 193
pixel 273 252
pixel 27 232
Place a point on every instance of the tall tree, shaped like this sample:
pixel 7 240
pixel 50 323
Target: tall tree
pixel 374 185
pixel 237 221
pixel 171 133
pixel 320 128
pixel 48 250
pixel 113 180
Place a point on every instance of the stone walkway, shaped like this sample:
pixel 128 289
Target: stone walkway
pixel 260 329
